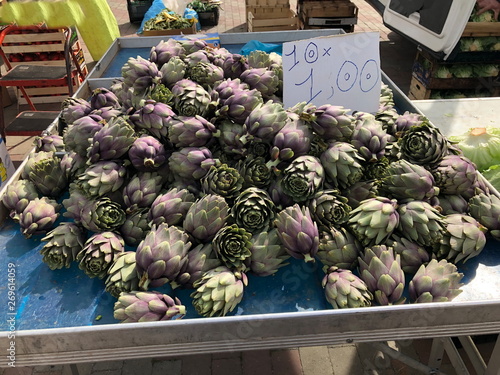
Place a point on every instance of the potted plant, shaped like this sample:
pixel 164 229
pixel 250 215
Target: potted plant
pixel 207 10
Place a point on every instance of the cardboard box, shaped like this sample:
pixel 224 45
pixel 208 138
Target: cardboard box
pixel 186 31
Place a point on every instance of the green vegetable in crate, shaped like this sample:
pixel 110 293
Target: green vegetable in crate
pixel 264 120
pixel 303 177
pixel 381 270
pixel 64 242
pixel 292 141
pixel 486 70
pixel 343 289
pixel 333 123
pixel 39 216
pixel 17 196
pixel 141 190
pixel 99 253
pixel 234 65
pixel 339 247
pixel 438 281
pixel 206 74
pixel 231 245
pixel 485 208
pixel 201 259
pixel 74 108
pixel 268 254
pixel 262 79
pixel 374 220
pixel 464 239
pixel 370 139
pixel 147 307
pixel 161 255
pixel 298 232
pixel 462 70
pixel 455 174
pixel 72 165
pixel 443 71
pixel 153 117
pixel 78 135
pixel 222 180
pixel 167 20
pixel 122 275
pixel 139 74
pixel 492 174
pixel 218 291
pixel 255 172
pixel 480 145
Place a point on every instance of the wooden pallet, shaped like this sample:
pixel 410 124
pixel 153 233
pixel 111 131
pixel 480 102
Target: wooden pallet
pixel 272 24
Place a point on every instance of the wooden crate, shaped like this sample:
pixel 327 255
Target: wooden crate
pixel 267 3
pixel 478 29
pixel 486 88
pixel 260 12
pixel 51 94
pixel 272 24
pixel 324 9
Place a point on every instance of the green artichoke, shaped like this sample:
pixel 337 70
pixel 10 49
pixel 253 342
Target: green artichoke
pixel 122 275
pixel 343 164
pixel 412 255
pixel 135 227
pixel 303 178
pixel 17 196
pixel 421 223
pixel 339 248
pixel 485 208
pixel 101 215
pixel 39 215
pixel 48 177
pixel 99 253
pixel 64 242
pixel 222 180
pixel 201 259
pixel 329 208
pixel 231 245
pixel 218 291
pixel 253 210
pixel 171 207
pixel 206 217
pixel 102 177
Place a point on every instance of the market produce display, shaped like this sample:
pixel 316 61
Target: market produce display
pixel 189 171
pixel 167 20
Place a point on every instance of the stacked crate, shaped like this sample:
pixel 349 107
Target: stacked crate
pixel 270 15
pixel 426 83
pixel 44 47
pixel 328 14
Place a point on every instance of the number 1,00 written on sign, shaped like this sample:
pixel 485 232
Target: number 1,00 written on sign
pixel 341 70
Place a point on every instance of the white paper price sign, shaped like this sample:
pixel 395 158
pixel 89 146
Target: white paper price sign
pixel 340 69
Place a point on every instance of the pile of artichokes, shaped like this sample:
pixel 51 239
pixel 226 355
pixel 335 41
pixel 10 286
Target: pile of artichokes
pixel 189 171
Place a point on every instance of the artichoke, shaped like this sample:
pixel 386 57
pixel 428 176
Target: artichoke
pixel 102 177
pixel 122 275
pixel 102 215
pixel 190 131
pixel 161 255
pixel 292 141
pixel 39 216
pixel 173 71
pixel 329 208
pixel 485 208
pixel 171 207
pixel 234 65
pixel 423 144
pixel 338 247
pixel 343 289
pixel 370 139
pixel 298 232
pixel 154 117
pixel 411 254
pixel 48 177
pixel 421 223
pixel 135 227
pixel 218 291
pixel 264 80
pixel 191 163
pixel 206 217
pixel 191 99
pixel 239 105
pixel 112 141
pixel 438 281
pixel 253 210
pixel 268 254
pixel 72 165
pixel 147 153
pixel 374 220
pixel 303 177
pixel 205 73
pixel 77 137
pixel 222 180
pixel 255 172
pixel 64 242
pixel 141 190
pixel 164 51
pixel 226 88
pixel 231 245
pixel 455 174
pixel 342 163
pixel 381 270
pixel 332 123
pixel 201 259
pixel 265 120
pixel 147 307
pixel 17 196
pixel 99 253
pixel 49 143
pixel 140 74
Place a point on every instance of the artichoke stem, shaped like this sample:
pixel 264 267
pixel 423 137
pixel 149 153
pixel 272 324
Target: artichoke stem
pixel 149 163
pixel 272 164
pixel 244 139
pixel 144 281
pixel 308 258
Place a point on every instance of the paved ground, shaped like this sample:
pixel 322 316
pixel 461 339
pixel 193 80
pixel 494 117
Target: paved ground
pixel 396 57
